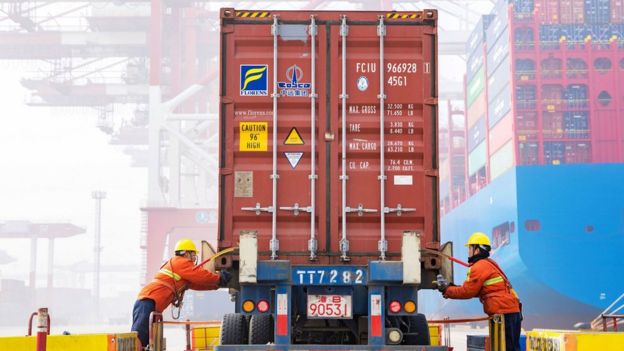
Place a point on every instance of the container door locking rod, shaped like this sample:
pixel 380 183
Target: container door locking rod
pixel 382 245
pixel 274 244
pixel 312 243
pixel 344 243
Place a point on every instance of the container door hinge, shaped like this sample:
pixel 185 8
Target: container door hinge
pixel 431 172
pixel 431 101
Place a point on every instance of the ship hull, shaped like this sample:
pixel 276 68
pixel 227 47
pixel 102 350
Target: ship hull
pixel 558 233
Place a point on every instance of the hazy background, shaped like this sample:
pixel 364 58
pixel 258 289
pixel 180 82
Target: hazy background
pixel 52 159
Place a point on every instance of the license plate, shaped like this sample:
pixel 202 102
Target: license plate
pixel 329 306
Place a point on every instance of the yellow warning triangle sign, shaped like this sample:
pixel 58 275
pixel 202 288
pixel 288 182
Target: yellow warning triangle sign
pixel 293 138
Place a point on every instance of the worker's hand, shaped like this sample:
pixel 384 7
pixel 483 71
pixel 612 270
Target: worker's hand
pixel 224 278
pixel 442 283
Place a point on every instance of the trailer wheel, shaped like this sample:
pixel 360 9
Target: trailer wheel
pixel 418 333
pixel 233 329
pixel 261 329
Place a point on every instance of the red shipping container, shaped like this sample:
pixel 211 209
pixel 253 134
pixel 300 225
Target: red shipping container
pixel 526 125
pixel 617 11
pixel 547 11
pixel 267 81
pixel 572 11
pixel 501 133
pixel 476 110
pixel 552 125
pixel 552 97
pixel 578 152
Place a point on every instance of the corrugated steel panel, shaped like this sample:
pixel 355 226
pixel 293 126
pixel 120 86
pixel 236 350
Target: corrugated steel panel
pixel 617 11
pixel 501 133
pixel 502 160
pixel 526 97
pixel 607 133
pixel 476 134
pixel 523 9
pixel 552 97
pixel 528 153
pixel 576 96
pixel 477 37
pixel 497 29
pixel 477 159
pixel 474 65
pixel 525 70
pixel 526 125
pixel 605 151
pixel 501 10
pixel 547 11
pixel 597 11
pixel 246 124
pixel 572 11
pixel 499 107
pixel 552 125
pixel 499 79
pixel 476 110
pixel 576 124
pixel 498 54
pixel 578 152
pixel 554 152
pixel 475 87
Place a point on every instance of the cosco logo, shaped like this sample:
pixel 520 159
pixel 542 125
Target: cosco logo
pixel 330 277
pixel 294 85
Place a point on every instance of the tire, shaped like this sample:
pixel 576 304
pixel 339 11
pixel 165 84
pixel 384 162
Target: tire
pixel 418 333
pixel 261 329
pixel 233 329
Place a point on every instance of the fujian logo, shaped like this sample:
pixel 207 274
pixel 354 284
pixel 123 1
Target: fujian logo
pixel 253 80
pixel 294 87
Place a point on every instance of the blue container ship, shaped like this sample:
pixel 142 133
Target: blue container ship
pixel 558 233
pixel 536 160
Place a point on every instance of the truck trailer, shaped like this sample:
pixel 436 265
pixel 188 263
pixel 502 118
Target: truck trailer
pixel 328 177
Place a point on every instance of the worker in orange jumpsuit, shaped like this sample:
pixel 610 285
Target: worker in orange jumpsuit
pixel 168 286
pixel 487 281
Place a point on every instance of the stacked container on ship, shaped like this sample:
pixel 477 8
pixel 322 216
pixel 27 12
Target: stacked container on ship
pixel 545 154
pixel 328 175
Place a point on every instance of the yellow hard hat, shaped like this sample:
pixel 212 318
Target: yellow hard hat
pixel 478 238
pixel 185 245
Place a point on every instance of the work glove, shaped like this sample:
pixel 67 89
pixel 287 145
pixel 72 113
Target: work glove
pixel 442 283
pixel 224 278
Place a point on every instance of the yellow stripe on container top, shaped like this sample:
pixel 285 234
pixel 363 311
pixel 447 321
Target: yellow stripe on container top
pixel 395 15
pixel 170 274
pixel 493 281
pixel 247 14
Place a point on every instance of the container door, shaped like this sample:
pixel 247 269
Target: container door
pixel 252 76
pixel 401 161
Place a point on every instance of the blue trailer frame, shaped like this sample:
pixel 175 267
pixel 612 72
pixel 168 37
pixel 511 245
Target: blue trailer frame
pixel 286 286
